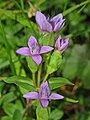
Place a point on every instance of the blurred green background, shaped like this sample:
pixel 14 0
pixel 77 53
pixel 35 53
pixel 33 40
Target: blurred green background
pixel 17 23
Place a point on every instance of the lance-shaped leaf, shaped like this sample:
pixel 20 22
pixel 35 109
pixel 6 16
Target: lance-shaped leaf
pixel 56 82
pixel 55 62
pixel 20 81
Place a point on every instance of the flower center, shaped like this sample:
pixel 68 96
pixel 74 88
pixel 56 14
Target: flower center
pixel 45 93
pixel 35 48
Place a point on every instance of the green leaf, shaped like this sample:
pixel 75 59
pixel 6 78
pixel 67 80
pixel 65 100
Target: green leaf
pixel 56 82
pixel 47 39
pixel 8 97
pixel 55 62
pixel 31 64
pixel 17 115
pixel 9 108
pixel 42 113
pixel 6 118
pixel 19 105
pixel 75 7
pixel 86 76
pixel 23 91
pixel 56 114
pixel 71 67
pixel 71 100
pixel 1 85
pixel 15 15
pixel 22 19
pixel 23 82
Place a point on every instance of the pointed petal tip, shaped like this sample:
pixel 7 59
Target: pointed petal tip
pixel 66 41
pixel 31 95
pixel 38 12
pixel 24 96
pixel 44 84
pixel 44 103
pixel 23 51
pixel 31 40
pixel 55 96
pixel 17 51
pixel 45 49
pixel 42 22
pixel 37 59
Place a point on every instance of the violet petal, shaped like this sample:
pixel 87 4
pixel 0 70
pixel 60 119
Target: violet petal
pixel 33 45
pixel 65 44
pixel 37 59
pixel 57 22
pixel 44 91
pixel 44 103
pixel 43 86
pixel 59 26
pixel 31 95
pixel 57 43
pixel 55 96
pixel 57 18
pixel 32 40
pixel 45 49
pixel 44 25
pixel 23 51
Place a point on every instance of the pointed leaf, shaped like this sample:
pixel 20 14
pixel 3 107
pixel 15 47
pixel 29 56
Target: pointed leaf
pixel 17 115
pixel 71 100
pixel 20 81
pixel 9 108
pixel 56 114
pixel 6 118
pixel 55 62
pixel 31 64
pixel 58 82
pixel 47 39
pixel 42 113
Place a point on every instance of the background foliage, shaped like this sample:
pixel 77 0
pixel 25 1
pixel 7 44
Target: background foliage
pixel 17 23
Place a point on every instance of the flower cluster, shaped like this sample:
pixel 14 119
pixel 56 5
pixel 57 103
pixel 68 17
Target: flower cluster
pixel 48 25
pixel 34 50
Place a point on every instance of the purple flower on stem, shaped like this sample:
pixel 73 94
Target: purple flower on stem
pixel 43 95
pixel 61 44
pixel 34 50
pixel 48 25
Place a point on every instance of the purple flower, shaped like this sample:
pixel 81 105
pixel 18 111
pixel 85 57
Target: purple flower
pixel 43 95
pixel 34 50
pixel 48 25
pixel 61 44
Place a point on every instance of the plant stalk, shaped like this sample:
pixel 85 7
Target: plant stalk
pixel 34 79
pixel 45 78
pixel 39 75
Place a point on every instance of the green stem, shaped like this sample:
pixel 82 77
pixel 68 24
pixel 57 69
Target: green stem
pixel 34 79
pixel 39 74
pixel 45 78
pixel 7 49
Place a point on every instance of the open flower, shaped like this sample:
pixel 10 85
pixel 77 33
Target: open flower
pixel 34 50
pixel 48 25
pixel 43 95
pixel 61 44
